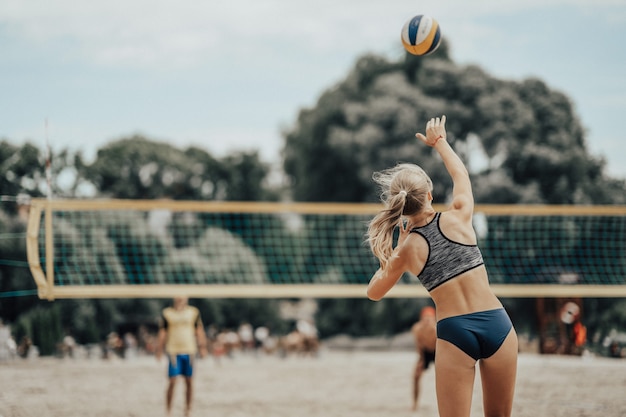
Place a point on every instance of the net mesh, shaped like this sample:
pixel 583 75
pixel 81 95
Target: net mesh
pixel 556 249
pixel 263 244
pixel 166 247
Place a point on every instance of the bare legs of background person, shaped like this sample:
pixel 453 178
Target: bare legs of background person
pixel 169 397
pixel 417 375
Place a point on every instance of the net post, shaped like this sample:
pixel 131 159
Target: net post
pixel 32 249
pixel 49 252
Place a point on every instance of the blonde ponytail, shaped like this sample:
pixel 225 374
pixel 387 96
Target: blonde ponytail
pixel 380 230
pixel 404 192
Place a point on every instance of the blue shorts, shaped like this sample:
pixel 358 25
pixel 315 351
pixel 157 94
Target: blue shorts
pixel 180 365
pixel 479 334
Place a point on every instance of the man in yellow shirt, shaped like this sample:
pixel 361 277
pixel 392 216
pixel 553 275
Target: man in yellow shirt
pixel 181 336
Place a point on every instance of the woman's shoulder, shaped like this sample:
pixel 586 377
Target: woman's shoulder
pixel 460 208
pixel 457 225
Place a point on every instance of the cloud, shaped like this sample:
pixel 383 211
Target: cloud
pixel 189 33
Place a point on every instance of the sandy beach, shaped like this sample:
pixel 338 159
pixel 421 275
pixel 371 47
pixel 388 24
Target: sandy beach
pixel 334 384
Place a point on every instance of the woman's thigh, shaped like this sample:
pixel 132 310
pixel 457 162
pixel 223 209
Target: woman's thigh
pixel 498 375
pixel 454 379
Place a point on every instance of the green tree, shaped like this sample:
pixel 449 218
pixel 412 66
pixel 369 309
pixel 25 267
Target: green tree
pixel 32 172
pixel 139 168
pixel 532 139
pixel 246 177
pixel 15 276
pixel 46 328
pixel 23 170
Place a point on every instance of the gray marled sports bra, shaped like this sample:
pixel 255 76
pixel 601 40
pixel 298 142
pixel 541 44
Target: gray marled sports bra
pixel 446 258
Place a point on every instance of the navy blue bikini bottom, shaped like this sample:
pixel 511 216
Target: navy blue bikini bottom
pixel 479 334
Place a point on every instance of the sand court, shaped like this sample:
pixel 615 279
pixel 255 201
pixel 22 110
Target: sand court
pixel 335 384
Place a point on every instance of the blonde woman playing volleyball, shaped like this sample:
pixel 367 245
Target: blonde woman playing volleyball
pixel 441 249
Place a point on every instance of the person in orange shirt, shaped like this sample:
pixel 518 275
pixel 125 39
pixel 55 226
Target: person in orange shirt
pixel 425 335
pixel 182 337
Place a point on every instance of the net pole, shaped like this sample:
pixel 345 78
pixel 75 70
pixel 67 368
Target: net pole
pixel 49 253
pixel 32 250
pixel 48 223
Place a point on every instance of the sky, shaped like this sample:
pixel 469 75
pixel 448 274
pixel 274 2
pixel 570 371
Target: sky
pixel 231 75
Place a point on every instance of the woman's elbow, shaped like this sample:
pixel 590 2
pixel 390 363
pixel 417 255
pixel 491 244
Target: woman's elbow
pixel 378 285
pixel 374 295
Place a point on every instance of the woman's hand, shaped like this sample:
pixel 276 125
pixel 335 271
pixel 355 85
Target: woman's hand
pixel 403 233
pixel 435 131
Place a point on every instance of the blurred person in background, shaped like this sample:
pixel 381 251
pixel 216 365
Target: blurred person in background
pixel 181 337
pixel 425 336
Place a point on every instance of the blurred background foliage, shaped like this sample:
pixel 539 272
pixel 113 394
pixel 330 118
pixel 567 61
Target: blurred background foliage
pixel 522 141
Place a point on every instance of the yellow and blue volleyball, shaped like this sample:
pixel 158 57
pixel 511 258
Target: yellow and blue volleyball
pixel 421 35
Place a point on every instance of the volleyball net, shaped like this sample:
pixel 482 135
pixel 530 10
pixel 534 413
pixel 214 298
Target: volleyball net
pixel 164 248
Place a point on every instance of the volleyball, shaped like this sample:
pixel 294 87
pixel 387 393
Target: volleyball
pixel 421 35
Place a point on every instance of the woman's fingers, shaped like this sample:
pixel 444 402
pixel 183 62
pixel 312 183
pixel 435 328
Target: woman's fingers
pixel 434 126
pixel 436 121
